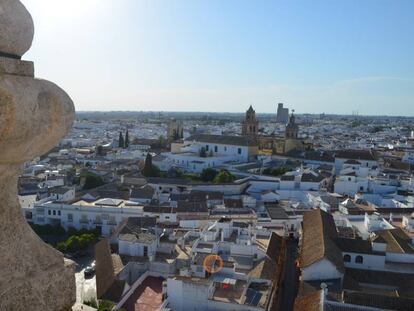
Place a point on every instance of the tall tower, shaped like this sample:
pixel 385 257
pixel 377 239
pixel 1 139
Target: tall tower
pixel 175 129
pixel 292 129
pixel 250 125
pixel 282 114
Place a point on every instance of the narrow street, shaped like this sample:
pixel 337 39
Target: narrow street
pixel 85 288
pixel 290 281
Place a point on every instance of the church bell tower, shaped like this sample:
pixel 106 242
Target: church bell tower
pixel 250 125
pixel 292 129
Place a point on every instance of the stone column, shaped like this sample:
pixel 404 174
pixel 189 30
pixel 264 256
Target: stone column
pixel 34 115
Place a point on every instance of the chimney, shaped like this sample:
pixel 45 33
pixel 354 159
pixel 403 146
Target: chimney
pixel 324 287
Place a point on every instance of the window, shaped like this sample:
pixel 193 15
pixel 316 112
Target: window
pixel 206 147
pixel 347 258
pixel 70 217
pixel 349 178
pixel 359 259
pixel 49 212
pixel 145 251
pixel 225 148
pixel 239 150
pixel 54 213
pixel 361 188
pixel 215 148
pixel 58 213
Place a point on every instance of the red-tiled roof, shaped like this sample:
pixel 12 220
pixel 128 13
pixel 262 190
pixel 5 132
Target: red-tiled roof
pixel 319 234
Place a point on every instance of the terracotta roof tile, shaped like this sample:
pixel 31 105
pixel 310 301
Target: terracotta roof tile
pixel 310 302
pixel 319 233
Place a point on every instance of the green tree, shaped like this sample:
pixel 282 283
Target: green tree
pixel 223 177
pixel 161 141
pixel 150 170
pixel 148 165
pixel 106 305
pixel 208 174
pixel 126 145
pixel 76 242
pixel 121 142
pixel 175 172
pixel 156 172
pixel 275 171
pixel 61 247
pixel 91 180
pixel 91 303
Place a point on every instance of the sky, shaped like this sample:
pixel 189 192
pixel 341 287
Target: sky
pixel 332 56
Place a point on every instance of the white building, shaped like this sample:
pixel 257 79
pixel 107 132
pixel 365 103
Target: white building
pixel 365 158
pixel 350 184
pixel 102 214
pixel 408 223
pixel 202 151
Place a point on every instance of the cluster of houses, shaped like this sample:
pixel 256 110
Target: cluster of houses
pixel 220 265
pixel 322 229
pixel 341 268
pixel 207 246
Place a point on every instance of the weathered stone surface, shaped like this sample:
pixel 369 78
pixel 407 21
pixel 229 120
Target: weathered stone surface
pixel 32 273
pixel 34 276
pixel 34 115
pixel 16 28
pixel 16 67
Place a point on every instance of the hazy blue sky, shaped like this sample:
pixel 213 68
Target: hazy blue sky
pixel 315 56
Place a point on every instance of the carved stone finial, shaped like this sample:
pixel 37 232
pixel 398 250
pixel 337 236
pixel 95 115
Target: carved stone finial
pixel 17 28
pixel 34 115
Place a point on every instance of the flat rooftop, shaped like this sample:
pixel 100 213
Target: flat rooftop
pixel 108 203
pixel 230 293
pixel 147 296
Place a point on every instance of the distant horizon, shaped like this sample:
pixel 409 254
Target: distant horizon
pixel 224 112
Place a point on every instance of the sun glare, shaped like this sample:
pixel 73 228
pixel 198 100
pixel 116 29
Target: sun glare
pixel 58 9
